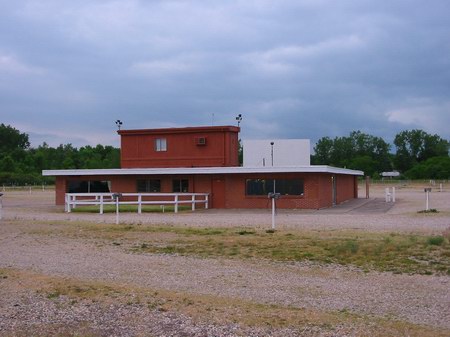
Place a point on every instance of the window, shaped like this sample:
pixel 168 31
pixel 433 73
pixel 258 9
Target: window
pixel 266 186
pixel 149 186
pixel 88 186
pixel 160 144
pixel 180 185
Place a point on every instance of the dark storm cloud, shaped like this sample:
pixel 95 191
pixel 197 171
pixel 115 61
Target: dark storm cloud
pixel 294 69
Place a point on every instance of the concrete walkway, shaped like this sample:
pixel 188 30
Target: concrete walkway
pixel 359 206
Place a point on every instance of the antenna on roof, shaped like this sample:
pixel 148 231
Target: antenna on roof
pixel 119 123
pixel 239 119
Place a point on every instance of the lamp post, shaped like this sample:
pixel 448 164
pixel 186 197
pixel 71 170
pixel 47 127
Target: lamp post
pixel 271 151
pixel 119 123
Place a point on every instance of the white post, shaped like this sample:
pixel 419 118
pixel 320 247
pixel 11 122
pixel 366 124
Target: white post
pixel 273 213
pixel 393 194
pixel 1 206
pixel 68 199
pixel 206 201
pixel 176 204
pixel 30 189
pixel 43 188
pixel 428 202
pixel 386 194
pixel 440 187
pixel 101 204
pixel 193 202
pixel 117 210
pixel 139 204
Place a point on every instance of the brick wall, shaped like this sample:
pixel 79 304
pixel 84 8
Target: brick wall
pixel 317 189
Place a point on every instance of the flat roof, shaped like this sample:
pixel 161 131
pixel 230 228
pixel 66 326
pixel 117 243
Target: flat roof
pixel 189 129
pixel 204 170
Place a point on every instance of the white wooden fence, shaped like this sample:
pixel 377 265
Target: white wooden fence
pixel 139 199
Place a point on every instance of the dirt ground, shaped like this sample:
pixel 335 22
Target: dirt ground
pixel 55 280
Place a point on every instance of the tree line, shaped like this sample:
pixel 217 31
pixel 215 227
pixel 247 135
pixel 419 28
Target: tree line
pixel 22 164
pixel 418 155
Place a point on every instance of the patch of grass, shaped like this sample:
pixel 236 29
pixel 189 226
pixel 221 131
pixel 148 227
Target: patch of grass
pixel 397 253
pixel 432 210
pixel 394 252
pixel 128 209
pixel 246 232
pixel 435 240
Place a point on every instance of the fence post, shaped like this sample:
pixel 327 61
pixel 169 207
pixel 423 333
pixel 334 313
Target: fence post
pixel 193 202
pixel 68 199
pixel 1 205
pixel 101 204
pixel 206 201
pixel 393 194
pixel 139 204
pixel 176 204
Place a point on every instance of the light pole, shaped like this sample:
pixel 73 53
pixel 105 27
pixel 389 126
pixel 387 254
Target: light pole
pixel 119 123
pixel 271 151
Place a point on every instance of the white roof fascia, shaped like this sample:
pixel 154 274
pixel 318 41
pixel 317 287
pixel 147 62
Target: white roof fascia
pixel 204 170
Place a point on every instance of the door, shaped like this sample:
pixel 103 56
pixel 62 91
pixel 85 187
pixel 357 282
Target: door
pixel 218 192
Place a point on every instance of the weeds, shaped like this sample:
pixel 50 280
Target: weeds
pixel 395 252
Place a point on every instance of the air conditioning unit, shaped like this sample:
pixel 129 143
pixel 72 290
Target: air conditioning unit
pixel 200 141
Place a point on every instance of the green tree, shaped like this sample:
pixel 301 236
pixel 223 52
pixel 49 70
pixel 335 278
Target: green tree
pixel 357 151
pixel 432 168
pixel 12 139
pixel 415 146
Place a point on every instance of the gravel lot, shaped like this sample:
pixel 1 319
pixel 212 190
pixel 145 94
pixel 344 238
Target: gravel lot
pixel 419 300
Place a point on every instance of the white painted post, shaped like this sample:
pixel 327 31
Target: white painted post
pixel 68 198
pixel 428 202
pixel 387 194
pixel 139 204
pixel 30 189
pixel 193 202
pixel 101 204
pixel 273 213
pixel 1 206
pixel 117 209
pixel 43 188
pixel 440 187
pixel 206 201
pixel 176 204
pixel 393 194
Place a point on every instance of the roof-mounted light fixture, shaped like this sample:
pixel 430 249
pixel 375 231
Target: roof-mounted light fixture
pixel 239 119
pixel 119 123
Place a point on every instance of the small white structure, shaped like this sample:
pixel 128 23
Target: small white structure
pixel 392 174
pixel 280 152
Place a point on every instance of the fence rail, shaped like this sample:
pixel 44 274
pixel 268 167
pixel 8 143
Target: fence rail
pixel 72 200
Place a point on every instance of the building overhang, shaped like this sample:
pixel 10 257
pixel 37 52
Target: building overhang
pixel 203 170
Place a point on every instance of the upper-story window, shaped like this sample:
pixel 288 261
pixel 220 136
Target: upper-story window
pixel 160 144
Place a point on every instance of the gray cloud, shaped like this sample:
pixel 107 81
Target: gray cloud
pixel 294 69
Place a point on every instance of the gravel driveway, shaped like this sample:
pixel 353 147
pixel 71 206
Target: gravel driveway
pixel 421 300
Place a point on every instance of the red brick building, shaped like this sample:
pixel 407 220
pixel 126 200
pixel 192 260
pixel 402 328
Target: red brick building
pixel 205 160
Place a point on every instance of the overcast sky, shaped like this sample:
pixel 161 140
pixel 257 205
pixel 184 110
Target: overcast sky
pixel 292 68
